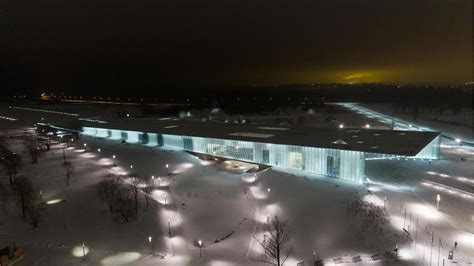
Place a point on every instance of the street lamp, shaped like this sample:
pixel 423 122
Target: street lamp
pixel 131 166
pixel 200 247
pixel 367 126
pixel 85 145
pixel 149 241
pixel 458 141
pixel 385 202
pixel 341 126
pixel 98 149
pixel 438 199
pixel 167 165
pixel 83 251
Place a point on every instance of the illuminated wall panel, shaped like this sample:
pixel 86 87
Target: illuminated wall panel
pixel 349 165
pixel 152 139
pixel 115 134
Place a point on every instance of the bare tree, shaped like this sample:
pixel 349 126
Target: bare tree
pixel 106 189
pixel 32 147
pixel 23 190
pixel 371 218
pixel 124 203
pixel 12 163
pixel 275 241
pixel 35 208
pixel 135 190
pixel 147 189
pixel 69 171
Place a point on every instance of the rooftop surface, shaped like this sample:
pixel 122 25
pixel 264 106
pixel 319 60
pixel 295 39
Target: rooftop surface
pixel 405 143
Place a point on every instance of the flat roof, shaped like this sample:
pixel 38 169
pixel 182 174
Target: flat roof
pixel 404 143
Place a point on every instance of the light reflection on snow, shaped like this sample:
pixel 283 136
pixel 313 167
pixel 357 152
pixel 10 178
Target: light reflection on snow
pixel 121 258
pixel 206 163
pixel 105 161
pixel 175 219
pixel 221 263
pixel 163 197
pixel 178 260
pixel 182 167
pixel 374 189
pixel 406 253
pixel 396 221
pixel 249 178
pixel 87 155
pixel 78 251
pixel 466 239
pixel 54 201
pixel 257 192
pixel 425 211
pixel 374 200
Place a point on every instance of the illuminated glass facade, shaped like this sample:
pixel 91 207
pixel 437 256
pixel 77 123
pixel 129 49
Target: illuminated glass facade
pixel 345 164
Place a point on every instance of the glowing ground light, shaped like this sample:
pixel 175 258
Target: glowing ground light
pixel 79 251
pixel 122 258
pixel 54 201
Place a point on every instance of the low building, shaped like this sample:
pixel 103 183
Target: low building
pixel 335 152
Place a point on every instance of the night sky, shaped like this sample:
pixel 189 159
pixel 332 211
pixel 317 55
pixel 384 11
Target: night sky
pixel 84 44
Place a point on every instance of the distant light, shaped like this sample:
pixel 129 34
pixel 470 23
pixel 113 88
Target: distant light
pixel 438 197
pixel 149 239
pixel 98 149
pixel 367 126
pixel 128 115
pixel 410 125
pixel 85 144
pixel 167 165
pixel 54 201
pixel 341 126
pixel 131 166
pixel 458 140
pixel 113 156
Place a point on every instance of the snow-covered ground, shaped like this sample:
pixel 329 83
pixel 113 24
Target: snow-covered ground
pixel 202 200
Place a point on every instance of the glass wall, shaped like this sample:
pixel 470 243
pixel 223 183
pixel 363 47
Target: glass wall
pixel 337 163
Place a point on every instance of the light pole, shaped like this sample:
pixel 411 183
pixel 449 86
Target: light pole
pixel 458 141
pixel 165 200
pixel 151 249
pixel 64 153
pixel 200 247
pixel 115 161
pixel 83 251
pixel 169 227
pixel 385 202
pixel 153 181
pixel 438 199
